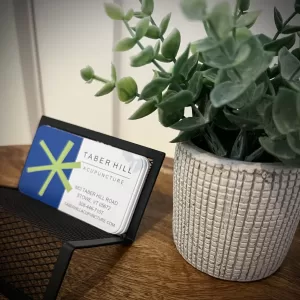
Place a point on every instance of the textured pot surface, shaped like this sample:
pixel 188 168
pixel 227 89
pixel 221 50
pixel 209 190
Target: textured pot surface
pixel 233 220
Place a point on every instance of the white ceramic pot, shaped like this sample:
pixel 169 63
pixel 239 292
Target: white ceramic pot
pixel 233 220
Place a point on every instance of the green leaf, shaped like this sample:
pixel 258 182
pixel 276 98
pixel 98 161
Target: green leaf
pixel 186 136
pixel 286 111
pixel 114 11
pixel 263 39
pixel 278 19
pixel 125 44
pixel 154 88
pixel 171 44
pixel 240 146
pixel 215 75
pixel 204 45
pixel 262 105
pixel 244 5
pixel 222 121
pixel 146 109
pixel 153 32
pixel 226 92
pixel 147 7
pixel 244 99
pixel 181 61
pixel 161 58
pixel 221 20
pixel 289 65
pixel 164 24
pixel 129 15
pixel 222 62
pixel 213 142
pixel 157 48
pixel 248 120
pixel 87 73
pixel 194 9
pixel 196 84
pixel 294 141
pixel 257 62
pixel 296 53
pixel 242 35
pixel 297 6
pixel 290 29
pixel 139 15
pixel 106 89
pixel 143 58
pixel 189 124
pixel 190 66
pixel 177 101
pixel 127 89
pixel 248 19
pixel 141 28
pixel 275 46
pixel 269 124
pixel 278 148
pixel 113 73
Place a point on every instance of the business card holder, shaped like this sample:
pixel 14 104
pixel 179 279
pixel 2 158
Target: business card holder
pixel 37 241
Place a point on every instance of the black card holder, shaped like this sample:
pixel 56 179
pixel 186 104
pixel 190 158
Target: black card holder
pixel 37 241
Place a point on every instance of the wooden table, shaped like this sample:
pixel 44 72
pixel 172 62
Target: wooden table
pixel 152 268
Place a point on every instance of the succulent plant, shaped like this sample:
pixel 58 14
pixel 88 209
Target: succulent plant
pixel 243 105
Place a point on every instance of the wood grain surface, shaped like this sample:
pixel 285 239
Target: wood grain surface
pixel 152 268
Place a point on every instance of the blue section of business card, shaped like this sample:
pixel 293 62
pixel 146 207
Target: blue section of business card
pixel 49 164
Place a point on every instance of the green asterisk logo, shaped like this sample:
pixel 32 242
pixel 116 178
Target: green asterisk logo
pixel 57 166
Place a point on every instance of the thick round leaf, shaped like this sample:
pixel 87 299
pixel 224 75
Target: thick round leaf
pixel 278 19
pixel 221 19
pixel 242 35
pixel 143 58
pixel 226 92
pixel 106 89
pixel 125 44
pixel 245 98
pixel 288 29
pixel 289 65
pixel 190 66
pixel 222 121
pixel 154 88
pixel 278 148
pixel 286 111
pixel 161 58
pixel 87 73
pixel 212 75
pixel 248 19
pixel 164 24
pixel 190 123
pixel 275 46
pixel 171 44
pixel 177 101
pixel 186 136
pixel 244 5
pixel 169 118
pixel 114 11
pixel 129 15
pixel 147 7
pixel 181 61
pixel 264 39
pixel 153 32
pixel 203 45
pixel 194 9
pixel 146 109
pixel 113 73
pixel 139 15
pixel 127 89
pixel 240 146
pixel 262 105
pixel 269 124
pixel 196 84
pixel 142 27
pixel 157 48
pixel 248 120
pixel 294 141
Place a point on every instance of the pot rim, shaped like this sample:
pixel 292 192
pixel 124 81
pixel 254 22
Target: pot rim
pixel 201 154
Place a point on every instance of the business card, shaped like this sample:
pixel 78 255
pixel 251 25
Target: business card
pixel 96 183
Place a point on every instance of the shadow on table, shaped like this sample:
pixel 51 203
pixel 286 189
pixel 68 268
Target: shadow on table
pixel 89 268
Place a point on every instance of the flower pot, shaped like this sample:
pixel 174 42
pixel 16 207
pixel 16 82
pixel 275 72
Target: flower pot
pixel 233 220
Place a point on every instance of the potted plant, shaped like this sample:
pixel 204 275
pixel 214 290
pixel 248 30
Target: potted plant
pixel 236 166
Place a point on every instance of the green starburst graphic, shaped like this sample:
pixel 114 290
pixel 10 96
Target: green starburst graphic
pixel 57 166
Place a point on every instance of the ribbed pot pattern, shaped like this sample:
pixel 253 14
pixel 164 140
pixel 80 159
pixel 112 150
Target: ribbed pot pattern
pixel 233 220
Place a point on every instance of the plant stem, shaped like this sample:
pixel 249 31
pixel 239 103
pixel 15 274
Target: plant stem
pixel 284 24
pixel 270 85
pixel 142 48
pixel 236 15
pixel 100 79
pixel 196 110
